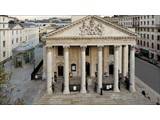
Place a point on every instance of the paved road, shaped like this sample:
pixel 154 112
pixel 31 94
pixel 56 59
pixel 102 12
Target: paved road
pixel 148 73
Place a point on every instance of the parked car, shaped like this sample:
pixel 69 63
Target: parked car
pixel 152 61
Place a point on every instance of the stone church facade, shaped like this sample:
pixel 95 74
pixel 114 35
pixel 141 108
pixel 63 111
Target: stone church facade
pixel 89 47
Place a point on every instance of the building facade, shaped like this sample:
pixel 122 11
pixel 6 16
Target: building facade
pixel 90 47
pixel 13 33
pixel 148 29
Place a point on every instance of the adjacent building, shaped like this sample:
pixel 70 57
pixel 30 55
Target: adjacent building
pixel 13 33
pixel 148 29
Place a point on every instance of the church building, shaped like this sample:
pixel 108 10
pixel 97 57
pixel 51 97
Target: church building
pixel 91 51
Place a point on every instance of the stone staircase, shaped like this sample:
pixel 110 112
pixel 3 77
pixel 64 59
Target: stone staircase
pixel 124 97
pixel 108 98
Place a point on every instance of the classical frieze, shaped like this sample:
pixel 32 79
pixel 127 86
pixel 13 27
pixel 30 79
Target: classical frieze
pixel 92 42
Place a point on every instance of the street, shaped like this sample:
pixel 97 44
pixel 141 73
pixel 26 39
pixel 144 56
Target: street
pixel 148 73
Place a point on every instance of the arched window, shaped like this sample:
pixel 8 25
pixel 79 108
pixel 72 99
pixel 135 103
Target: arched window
pixel 73 67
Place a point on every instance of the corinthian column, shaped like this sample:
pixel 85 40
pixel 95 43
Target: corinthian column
pixel 132 69
pixel 66 70
pixel 116 78
pixel 49 71
pixel 99 69
pixel 83 69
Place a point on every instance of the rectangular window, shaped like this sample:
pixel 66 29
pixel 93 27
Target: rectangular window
pixel 60 51
pixel 147 36
pixel 111 50
pixel 16 40
pixel 152 37
pixel 158 47
pixel 12 41
pixel 87 51
pixel 144 35
pixel 4 54
pixel 158 37
pixel 158 30
pixel 4 43
pixel 152 22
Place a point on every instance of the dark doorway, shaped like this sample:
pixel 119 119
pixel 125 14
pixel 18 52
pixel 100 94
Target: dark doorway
pixel 87 69
pixel 111 67
pixel 60 70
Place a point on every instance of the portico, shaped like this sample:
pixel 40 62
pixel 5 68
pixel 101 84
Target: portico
pixel 87 41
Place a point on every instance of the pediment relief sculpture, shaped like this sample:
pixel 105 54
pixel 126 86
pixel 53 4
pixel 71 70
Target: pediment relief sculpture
pixel 91 28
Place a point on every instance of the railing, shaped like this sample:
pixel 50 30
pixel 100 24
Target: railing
pixel 34 74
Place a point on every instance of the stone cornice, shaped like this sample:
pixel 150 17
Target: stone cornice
pixel 90 37
pixel 90 42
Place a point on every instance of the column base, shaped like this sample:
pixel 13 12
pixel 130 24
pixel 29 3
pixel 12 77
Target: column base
pixel 66 91
pixel 49 91
pixel 43 77
pixel 132 89
pixel 116 90
pixel 98 90
pixel 83 91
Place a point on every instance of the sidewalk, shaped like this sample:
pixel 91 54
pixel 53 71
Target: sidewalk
pixel 21 86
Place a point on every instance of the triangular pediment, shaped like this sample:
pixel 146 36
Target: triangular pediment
pixel 91 26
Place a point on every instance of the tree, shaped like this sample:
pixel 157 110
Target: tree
pixel 4 99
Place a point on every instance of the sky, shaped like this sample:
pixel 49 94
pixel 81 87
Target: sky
pixel 37 17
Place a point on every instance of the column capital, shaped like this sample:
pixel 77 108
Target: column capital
pixel 100 46
pixel 116 47
pixel 48 47
pixel 133 47
pixel 83 47
pixel 66 46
